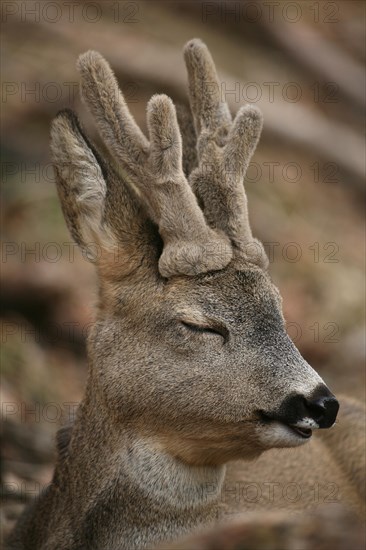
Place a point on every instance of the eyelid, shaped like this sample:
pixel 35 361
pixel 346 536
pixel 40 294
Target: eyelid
pixel 213 327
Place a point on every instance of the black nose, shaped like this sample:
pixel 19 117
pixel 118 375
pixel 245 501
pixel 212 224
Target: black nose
pixel 321 406
pixel 323 410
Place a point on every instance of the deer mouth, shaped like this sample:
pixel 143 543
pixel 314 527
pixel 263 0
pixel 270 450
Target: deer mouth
pixel 303 428
pixel 305 433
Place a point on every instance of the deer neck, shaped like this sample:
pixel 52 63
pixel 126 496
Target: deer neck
pixel 166 479
pixel 150 482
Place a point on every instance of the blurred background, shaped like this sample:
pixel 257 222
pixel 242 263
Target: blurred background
pixel 301 62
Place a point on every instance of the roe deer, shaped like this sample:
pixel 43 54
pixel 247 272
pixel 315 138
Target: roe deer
pixel 190 364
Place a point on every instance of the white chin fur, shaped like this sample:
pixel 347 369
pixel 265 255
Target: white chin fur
pixel 308 423
pixel 276 434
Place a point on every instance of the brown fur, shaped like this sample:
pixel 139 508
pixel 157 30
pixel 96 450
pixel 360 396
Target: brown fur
pixel 327 529
pixel 189 354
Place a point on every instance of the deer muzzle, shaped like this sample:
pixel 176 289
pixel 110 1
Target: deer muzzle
pixel 305 413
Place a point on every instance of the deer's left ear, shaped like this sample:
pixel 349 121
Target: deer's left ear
pixel 102 213
pixel 79 177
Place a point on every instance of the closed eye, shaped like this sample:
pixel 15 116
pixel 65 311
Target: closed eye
pixel 207 329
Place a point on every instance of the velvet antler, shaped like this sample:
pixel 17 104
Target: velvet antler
pixel 155 169
pixel 225 148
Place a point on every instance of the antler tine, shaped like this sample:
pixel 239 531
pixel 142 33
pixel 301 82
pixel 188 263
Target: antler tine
pixel 241 143
pixel 190 246
pixel 165 137
pixel 155 169
pixel 224 150
pixel 209 112
pixel 243 139
pixel 100 92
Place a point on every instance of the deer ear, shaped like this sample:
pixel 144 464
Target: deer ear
pixel 79 178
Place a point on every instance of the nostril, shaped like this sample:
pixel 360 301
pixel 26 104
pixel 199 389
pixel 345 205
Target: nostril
pixel 317 409
pixel 323 410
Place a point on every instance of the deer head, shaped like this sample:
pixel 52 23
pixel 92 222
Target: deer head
pixel 189 348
